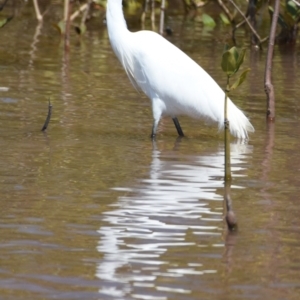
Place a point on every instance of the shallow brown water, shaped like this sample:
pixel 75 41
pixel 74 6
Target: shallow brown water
pixel 92 209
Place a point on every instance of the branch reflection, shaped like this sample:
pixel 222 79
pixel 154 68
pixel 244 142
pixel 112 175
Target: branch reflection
pixel 174 214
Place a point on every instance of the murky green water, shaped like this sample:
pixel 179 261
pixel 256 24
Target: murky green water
pixel 92 209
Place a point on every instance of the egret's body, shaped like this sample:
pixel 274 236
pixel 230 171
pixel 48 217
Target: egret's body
pixel 175 84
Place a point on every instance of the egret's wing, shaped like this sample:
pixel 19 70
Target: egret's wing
pixel 133 69
pixel 129 68
pixel 162 70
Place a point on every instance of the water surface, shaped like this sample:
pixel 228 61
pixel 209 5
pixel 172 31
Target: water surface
pixel 92 209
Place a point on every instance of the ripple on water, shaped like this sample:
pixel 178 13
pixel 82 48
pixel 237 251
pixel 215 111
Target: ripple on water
pixel 161 219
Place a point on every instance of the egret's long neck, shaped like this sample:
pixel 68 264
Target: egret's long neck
pixel 115 18
pixel 117 28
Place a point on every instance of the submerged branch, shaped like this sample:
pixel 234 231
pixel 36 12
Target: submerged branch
pixel 227 175
pixel 230 216
pixel 269 89
pixel 48 116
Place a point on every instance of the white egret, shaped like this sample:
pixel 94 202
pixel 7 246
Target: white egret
pixel 175 84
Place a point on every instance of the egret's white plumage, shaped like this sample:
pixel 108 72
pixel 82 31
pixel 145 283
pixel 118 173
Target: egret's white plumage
pixel 175 84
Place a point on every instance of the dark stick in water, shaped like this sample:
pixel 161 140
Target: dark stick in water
pixel 48 116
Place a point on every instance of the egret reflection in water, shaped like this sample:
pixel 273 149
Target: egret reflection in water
pixel 178 209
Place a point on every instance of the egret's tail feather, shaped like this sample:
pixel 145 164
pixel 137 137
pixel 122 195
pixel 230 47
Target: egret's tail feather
pixel 239 124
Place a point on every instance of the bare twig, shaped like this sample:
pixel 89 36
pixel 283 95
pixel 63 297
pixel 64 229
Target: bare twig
pixel 162 17
pixel 226 10
pixel 143 17
pixel 37 11
pixel 86 12
pixel 66 10
pixel 264 39
pixel 247 21
pixel 48 116
pixel 239 25
pixel 251 14
pixel 153 14
pixel 82 8
pixel 269 89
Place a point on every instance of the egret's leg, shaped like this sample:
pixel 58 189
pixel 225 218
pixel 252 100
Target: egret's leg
pixel 157 109
pixel 178 127
pixel 154 128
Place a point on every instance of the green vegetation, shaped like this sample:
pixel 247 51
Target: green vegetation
pixel 232 59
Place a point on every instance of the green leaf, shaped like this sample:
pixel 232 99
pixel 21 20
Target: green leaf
pixel 4 21
pixel 235 52
pixel 229 61
pixel 292 10
pixel 61 26
pixel 281 21
pixel 208 20
pixel 224 18
pixel 81 29
pixel 240 80
pixel 240 59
